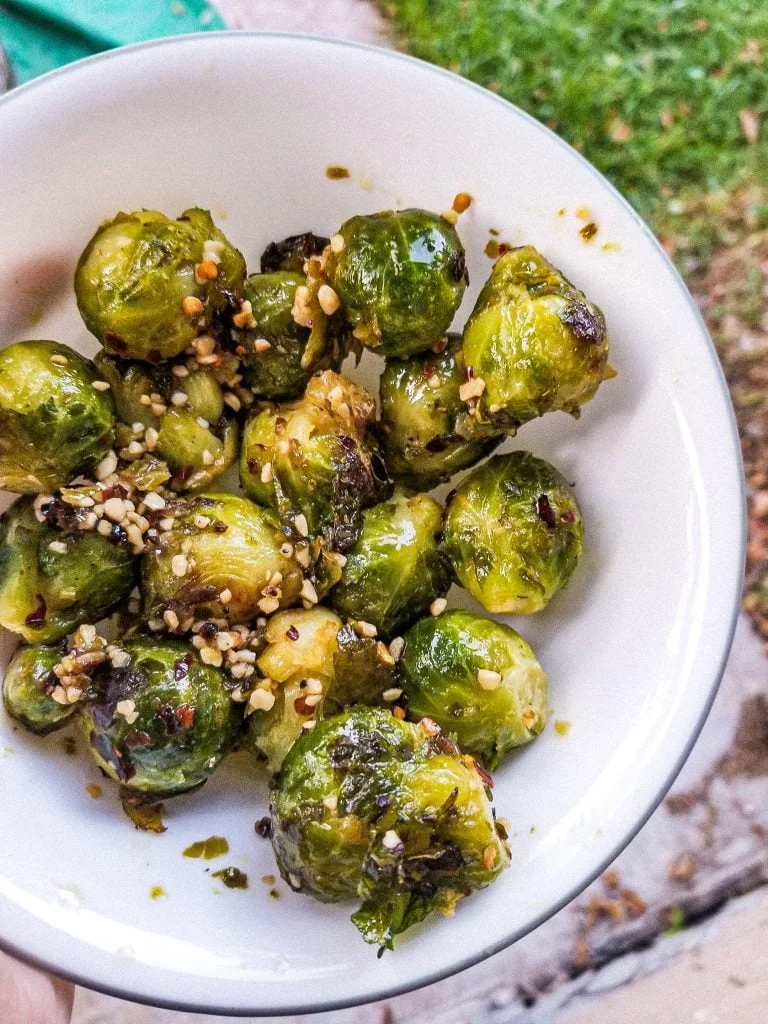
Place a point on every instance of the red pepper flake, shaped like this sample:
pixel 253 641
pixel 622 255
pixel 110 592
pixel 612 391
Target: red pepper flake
pixel 302 708
pixel 545 512
pixel 440 346
pixel 399 713
pixel 185 716
pixel 292 633
pixel 427 372
pixel 37 616
pixel 483 774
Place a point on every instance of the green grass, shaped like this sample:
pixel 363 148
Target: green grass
pixel 651 91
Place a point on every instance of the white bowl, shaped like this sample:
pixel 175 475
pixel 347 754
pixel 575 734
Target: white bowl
pixel 246 125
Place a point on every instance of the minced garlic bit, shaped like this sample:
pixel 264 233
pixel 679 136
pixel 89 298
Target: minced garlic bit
pixel 101 385
pixel 337 243
pixel 171 619
pixel 489 857
pixel 328 299
pixel 434 382
pixel 396 647
pixel 383 654
pixel 488 679
pixel 204 345
pixel 245 317
pixel 225 596
pixel 115 509
pixel 472 388
pixel 211 656
pixel 266 473
pixel 154 501
pixel 300 522
pixel 58 360
pixel 191 306
pixel 391 840
pixel 302 311
pixel 261 700
pixel 450 215
pixel 392 694
pixel 438 606
pixel 58 546
pixel 366 629
pixel 268 605
pixel 331 801
pixel 179 398
pixel 179 565
pixel 261 345
pixel 127 708
pixel 308 592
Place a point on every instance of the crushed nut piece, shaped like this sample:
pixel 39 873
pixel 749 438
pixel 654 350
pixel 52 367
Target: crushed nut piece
pixel 488 679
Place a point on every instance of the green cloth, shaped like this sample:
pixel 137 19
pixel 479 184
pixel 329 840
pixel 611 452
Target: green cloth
pixel 39 35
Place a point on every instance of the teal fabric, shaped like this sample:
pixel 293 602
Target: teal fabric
pixel 39 35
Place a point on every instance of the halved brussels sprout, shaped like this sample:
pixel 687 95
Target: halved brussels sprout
pixel 315 667
pixel 162 722
pixel 478 679
pixel 313 460
pixel 282 369
pixel 533 343
pixel 137 271
pixel 514 534
pixel 53 423
pixel 400 277
pixel 426 432
pixel 220 544
pixel 292 253
pixel 299 658
pixel 366 805
pixel 51 581
pixel 27 687
pixel 397 567
pixel 196 440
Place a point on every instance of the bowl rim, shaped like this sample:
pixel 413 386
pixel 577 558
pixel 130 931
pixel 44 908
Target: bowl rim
pixel 734 450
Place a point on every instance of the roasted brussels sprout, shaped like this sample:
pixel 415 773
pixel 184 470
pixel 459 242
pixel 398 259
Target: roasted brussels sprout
pixel 51 581
pixel 478 679
pixel 366 805
pixel 195 439
pixel 137 271
pixel 426 432
pixel 533 344
pixel 400 277
pixel 514 534
pixel 397 567
pixel 53 422
pixel 161 722
pixel 313 460
pixel 275 359
pixel 220 559
pixel 299 659
pixel 27 687
pixel 292 252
